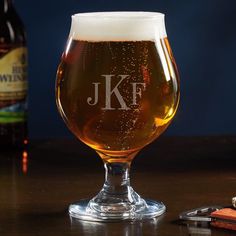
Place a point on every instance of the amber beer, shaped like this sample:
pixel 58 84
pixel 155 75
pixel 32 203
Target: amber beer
pixel 13 78
pixel 116 95
pixel 117 84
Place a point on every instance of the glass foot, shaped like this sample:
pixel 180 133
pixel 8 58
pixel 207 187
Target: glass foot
pixel 90 211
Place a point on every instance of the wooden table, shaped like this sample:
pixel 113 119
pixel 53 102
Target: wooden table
pixel 182 172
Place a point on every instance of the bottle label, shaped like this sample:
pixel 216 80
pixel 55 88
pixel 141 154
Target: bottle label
pixel 13 86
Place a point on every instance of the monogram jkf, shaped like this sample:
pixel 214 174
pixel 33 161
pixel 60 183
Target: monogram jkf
pixel 113 91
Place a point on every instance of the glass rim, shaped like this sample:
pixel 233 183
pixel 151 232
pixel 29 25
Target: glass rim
pixel 137 15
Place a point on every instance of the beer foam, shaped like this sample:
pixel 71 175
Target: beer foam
pixel 118 26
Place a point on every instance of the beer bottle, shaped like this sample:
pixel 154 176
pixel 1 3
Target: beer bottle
pixel 13 78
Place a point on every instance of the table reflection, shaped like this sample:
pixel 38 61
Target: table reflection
pixel 125 228
pixel 24 162
pixel 196 229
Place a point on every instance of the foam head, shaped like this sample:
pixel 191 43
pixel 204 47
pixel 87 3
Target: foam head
pixel 118 26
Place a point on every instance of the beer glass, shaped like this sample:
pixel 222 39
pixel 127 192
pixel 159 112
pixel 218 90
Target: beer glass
pixel 117 90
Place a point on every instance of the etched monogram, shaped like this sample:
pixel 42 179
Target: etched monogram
pixel 137 89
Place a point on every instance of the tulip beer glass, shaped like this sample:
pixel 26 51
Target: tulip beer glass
pixel 117 90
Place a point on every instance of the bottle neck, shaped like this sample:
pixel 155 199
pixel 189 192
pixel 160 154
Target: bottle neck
pixel 5 5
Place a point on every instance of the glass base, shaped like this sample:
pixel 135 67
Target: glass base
pixel 92 211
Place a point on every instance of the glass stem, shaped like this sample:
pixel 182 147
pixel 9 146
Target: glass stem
pixel 117 196
pixel 117 179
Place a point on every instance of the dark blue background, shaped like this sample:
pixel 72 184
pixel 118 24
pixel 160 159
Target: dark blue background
pixel 203 38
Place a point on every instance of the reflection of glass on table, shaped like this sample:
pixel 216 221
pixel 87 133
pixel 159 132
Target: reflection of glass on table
pixel 124 228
